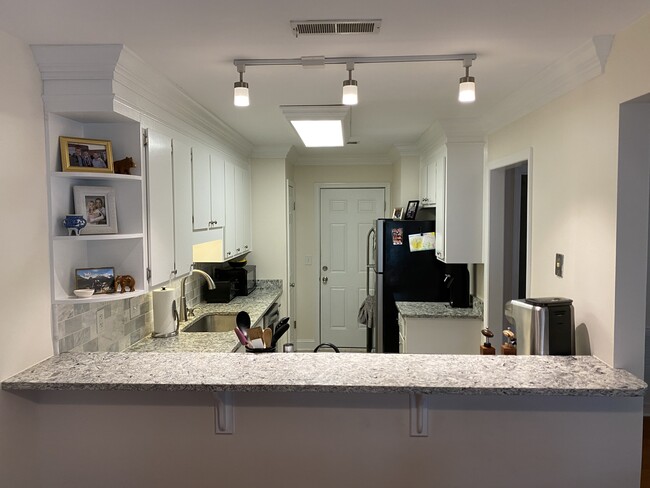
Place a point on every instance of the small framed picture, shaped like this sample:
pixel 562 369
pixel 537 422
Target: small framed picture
pixel 97 205
pixel 89 155
pixel 102 280
pixel 411 210
pixel 398 213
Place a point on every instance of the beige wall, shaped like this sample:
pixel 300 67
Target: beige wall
pixel 24 254
pixel 306 224
pixel 406 178
pixel 575 148
pixel 268 189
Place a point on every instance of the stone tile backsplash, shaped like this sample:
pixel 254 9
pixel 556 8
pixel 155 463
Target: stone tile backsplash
pixel 80 327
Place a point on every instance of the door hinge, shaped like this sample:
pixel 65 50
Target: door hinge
pixel 148 274
pixel 145 137
pixel 294 206
pixel 172 145
pixel 295 326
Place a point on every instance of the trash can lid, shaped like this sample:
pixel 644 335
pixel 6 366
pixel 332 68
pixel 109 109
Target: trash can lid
pixel 548 301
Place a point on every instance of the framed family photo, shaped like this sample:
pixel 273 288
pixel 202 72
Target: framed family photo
pixel 97 205
pixel 398 213
pixel 89 155
pixel 102 280
pixel 411 210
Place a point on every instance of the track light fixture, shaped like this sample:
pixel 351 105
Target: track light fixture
pixel 467 91
pixel 467 86
pixel 241 88
pixel 350 89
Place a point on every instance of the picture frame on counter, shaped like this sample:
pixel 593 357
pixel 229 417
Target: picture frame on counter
pixel 97 205
pixel 86 155
pixel 102 280
pixel 411 210
pixel 398 213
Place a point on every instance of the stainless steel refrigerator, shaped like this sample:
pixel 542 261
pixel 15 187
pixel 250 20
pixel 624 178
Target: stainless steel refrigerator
pixel 401 275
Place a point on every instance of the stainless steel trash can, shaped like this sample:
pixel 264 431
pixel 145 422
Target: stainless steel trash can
pixel 544 326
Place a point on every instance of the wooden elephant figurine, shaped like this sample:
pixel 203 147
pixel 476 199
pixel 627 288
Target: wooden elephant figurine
pixel 124 281
pixel 123 166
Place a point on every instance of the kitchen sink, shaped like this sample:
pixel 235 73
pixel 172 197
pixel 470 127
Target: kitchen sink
pixel 213 323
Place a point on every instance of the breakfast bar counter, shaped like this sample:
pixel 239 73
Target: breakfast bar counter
pixel 309 372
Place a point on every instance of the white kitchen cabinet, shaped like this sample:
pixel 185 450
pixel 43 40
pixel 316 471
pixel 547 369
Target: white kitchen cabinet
pixel 183 206
pixel 237 233
pixel 242 210
pixel 207 189
pixel 459 203
pixel 160 206
pixel 428 184
pixel 123 251
pixel 440 335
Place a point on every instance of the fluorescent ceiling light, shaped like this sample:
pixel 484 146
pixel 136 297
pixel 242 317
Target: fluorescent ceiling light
pixel 320 133
pixel 319 125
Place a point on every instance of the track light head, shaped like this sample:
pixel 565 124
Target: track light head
pixel 241 89
pixel 350 88
pixel 467 85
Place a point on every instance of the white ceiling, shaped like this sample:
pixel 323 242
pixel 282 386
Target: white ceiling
pixel 194 42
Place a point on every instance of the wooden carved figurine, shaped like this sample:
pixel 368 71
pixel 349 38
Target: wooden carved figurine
pixel 124 281
pixel 123 166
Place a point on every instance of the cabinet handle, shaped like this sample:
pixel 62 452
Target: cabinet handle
pixel 238 250
pixel 245 247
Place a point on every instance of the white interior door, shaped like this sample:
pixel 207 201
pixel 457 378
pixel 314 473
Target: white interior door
pixel 346 216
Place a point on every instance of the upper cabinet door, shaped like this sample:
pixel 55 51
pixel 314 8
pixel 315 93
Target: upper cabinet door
pixel 200 187
pixel 243 208
pixel 230 231
pixel 160 206
pixel 217 191
pixel 183 241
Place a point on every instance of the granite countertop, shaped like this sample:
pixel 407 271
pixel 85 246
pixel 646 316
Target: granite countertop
pixel 315 372
pixel 255 304
pixel 440 310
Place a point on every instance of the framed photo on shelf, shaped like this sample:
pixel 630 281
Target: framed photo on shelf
pixel 97 205
pixel 411 210
pixel 398 213
pixel 86 155
pixel 102 280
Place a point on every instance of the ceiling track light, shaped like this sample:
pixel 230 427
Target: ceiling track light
pixel 350 89
pixel 241 88
pixel 467 92
pixel 467 85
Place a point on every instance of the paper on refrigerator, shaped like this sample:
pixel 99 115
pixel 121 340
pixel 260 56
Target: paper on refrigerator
pixel 422 242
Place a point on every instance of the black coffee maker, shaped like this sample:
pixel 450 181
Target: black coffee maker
pixel 457 281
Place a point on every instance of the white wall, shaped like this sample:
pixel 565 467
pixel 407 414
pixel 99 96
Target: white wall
pixel 575 141
pixel 268 190
pixel 406 178
pixel 306 230
pixel 24 255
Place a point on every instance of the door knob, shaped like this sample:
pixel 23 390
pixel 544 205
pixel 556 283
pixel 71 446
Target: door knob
pixel 324 280
pixel 292 285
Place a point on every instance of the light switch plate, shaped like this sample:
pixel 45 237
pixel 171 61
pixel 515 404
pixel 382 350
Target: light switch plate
pixel 559 265
pixel 308 261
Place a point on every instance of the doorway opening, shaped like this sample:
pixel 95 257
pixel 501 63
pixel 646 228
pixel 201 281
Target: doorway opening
pixel 508 184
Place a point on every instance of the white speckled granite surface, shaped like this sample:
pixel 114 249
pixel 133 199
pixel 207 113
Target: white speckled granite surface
pixel 439 310
pixel 316 372
pixel 255 304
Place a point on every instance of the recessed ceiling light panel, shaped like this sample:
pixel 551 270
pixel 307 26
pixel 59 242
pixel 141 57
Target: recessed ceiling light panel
pixel 319 125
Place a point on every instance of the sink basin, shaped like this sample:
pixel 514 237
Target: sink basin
pixel 213 323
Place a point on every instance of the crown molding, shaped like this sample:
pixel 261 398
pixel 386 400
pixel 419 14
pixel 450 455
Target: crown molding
pixel 88 78
pixel 567 73
pixel 406 150
pixel 362 159
pixel 271 152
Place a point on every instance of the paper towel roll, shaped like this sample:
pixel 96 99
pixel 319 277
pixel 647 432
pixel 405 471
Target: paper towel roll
pixel 163 317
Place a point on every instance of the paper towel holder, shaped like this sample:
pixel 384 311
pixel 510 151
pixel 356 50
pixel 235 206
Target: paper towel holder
pixel 158 335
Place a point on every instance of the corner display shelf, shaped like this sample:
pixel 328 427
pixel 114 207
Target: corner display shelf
pixel 123 251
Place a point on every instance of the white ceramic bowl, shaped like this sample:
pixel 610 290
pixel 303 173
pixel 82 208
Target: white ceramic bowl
pixel 84 293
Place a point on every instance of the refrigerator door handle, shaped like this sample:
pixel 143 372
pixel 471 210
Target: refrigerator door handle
pixel 369 264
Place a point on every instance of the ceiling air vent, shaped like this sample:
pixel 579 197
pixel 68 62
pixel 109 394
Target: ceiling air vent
pixel 338 27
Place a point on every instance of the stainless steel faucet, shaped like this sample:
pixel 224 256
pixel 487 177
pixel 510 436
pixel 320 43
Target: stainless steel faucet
pixel 183 300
